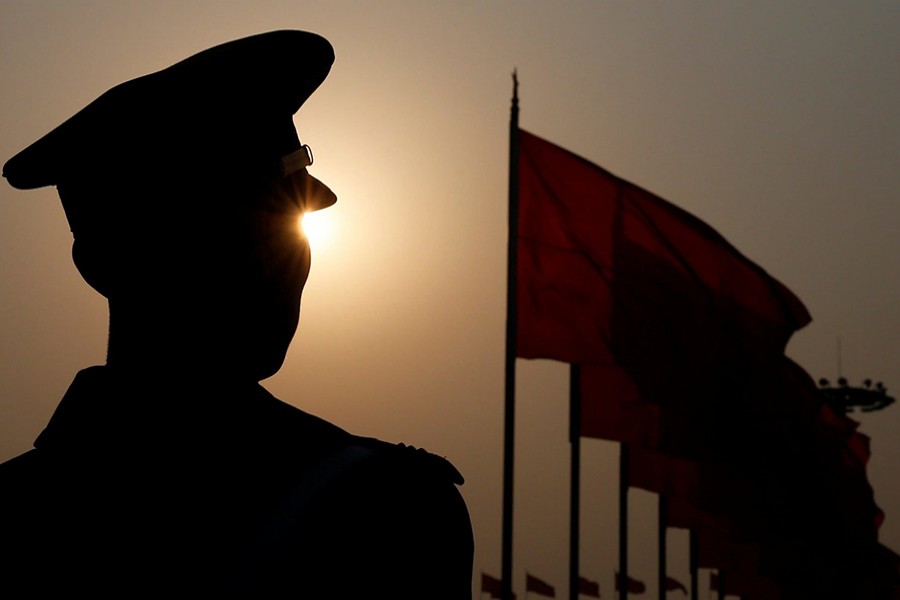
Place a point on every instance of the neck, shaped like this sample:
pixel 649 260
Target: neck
pixel 148 345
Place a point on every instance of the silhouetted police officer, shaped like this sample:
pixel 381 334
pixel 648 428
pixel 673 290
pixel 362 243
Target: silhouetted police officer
pixel 170 470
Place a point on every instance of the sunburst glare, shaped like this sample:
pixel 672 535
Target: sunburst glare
pixel 317 227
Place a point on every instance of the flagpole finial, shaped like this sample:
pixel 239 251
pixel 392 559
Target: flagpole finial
pixel 514 112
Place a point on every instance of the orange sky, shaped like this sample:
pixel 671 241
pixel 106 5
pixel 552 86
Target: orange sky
pixel 778 124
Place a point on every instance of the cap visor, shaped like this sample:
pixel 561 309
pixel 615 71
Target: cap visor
pixel 316 195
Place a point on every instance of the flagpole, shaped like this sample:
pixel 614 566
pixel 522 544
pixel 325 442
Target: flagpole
pixel 692 554
pixel 510 365
pixel 623 521
pixel 575 478
pixel 662 546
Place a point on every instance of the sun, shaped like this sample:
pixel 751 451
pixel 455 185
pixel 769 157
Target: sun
pixel 316 226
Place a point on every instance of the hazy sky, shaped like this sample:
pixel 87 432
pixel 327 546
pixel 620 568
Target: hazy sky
pixel 776 122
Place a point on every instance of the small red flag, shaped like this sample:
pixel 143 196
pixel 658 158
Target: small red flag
pixel 673 584
pixel 633 586
pixel 533 584
pixel 586 587
pixel 491 586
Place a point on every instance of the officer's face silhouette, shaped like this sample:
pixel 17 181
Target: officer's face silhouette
pixel 281 262
pixel 222 277
pixel 277 267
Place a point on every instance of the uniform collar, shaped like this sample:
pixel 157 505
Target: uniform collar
pixel 100 409
pixel 102 412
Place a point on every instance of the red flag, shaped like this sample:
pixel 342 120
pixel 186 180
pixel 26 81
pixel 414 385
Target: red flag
pixel 673 584
pixel 491 586
pixel 612 407
pixel 783 476
pixel 687 336
pixel 633 586
pixel 714 582
pixel 533 584
pixel 586 587
pixel 591 244
pixel 655 472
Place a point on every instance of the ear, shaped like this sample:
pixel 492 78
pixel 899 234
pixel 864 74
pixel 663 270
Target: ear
pixel 93 264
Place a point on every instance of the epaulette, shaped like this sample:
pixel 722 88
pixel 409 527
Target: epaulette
pixel 421 459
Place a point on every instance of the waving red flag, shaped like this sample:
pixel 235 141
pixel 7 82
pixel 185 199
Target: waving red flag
pixel 606 268
pixel 714 582
pixel 633 586
pixel 491 586
pixel 586 587
pixel 538 586
pixel 673 584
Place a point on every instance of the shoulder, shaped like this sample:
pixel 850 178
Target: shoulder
pixel 26 480
pixel 372 519
pixel 32 517
pixel 20 478
pixel 409 462
pixel 400 482
pixel 406 484
pixel 21 466
pixel 399 517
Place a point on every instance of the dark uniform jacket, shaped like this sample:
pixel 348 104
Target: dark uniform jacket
pixel 131 492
